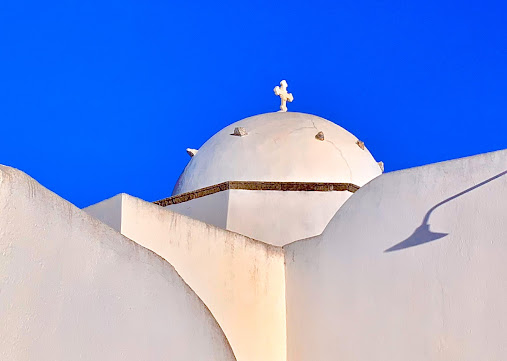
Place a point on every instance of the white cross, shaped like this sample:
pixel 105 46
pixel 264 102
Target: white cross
pixel 285 97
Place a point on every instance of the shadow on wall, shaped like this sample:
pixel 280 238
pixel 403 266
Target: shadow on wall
pixel 422 234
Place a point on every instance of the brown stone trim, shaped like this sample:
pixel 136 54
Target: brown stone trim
pixel 259 186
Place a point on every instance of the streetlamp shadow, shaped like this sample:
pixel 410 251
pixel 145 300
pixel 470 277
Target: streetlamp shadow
pixel 423 234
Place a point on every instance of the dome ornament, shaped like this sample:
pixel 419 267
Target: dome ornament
pixel 240 132
pixel 285 97
pixel 320 136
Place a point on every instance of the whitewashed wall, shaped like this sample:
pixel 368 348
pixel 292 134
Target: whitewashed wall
pixel 71 288
pixel 108 211
pixel 274 217
pixel 242 281
pixel 278 217
pixel 412 267
pixel 212 209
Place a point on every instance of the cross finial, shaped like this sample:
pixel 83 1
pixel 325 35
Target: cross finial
pixel 285 97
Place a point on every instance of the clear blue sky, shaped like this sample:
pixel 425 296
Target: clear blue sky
pixel 103 97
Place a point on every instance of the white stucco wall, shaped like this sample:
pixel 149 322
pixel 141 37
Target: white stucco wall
pixel 241 280
pixel 378 284
pixel 279 147
pixel 278 217
pixel 71 288
pixel 274 217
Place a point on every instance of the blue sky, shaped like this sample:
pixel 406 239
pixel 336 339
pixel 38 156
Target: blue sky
pixel 103 97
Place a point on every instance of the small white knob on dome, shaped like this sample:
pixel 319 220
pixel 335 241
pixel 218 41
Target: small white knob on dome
pixel 381 165
pixel 360 144
pixel 191 152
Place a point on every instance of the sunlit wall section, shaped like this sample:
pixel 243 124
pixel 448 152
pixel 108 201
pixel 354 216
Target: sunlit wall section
pixel 412 267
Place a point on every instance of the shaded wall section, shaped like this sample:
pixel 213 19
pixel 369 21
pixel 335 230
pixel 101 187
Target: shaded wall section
pixel 211 209
pixel 72 288
pixel 412 267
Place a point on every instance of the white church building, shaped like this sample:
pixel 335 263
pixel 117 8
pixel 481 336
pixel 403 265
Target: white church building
pixel 283 240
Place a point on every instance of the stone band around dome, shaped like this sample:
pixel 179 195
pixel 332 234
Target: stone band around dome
pixel 263 186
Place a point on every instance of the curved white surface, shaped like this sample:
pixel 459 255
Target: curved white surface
pixel 279 147
pixel 71 288
pixel 412 267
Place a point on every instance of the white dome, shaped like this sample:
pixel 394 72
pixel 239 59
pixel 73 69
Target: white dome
pixel 279 147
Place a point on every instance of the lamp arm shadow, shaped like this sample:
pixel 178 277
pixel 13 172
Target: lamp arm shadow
pixel 422 234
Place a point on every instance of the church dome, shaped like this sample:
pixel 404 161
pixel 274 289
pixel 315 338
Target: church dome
pixel 279 147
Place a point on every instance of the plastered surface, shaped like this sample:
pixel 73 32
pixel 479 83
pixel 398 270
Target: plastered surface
pixel 71 288
pixel 412 267
pixel 241 280
pixel 278 217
